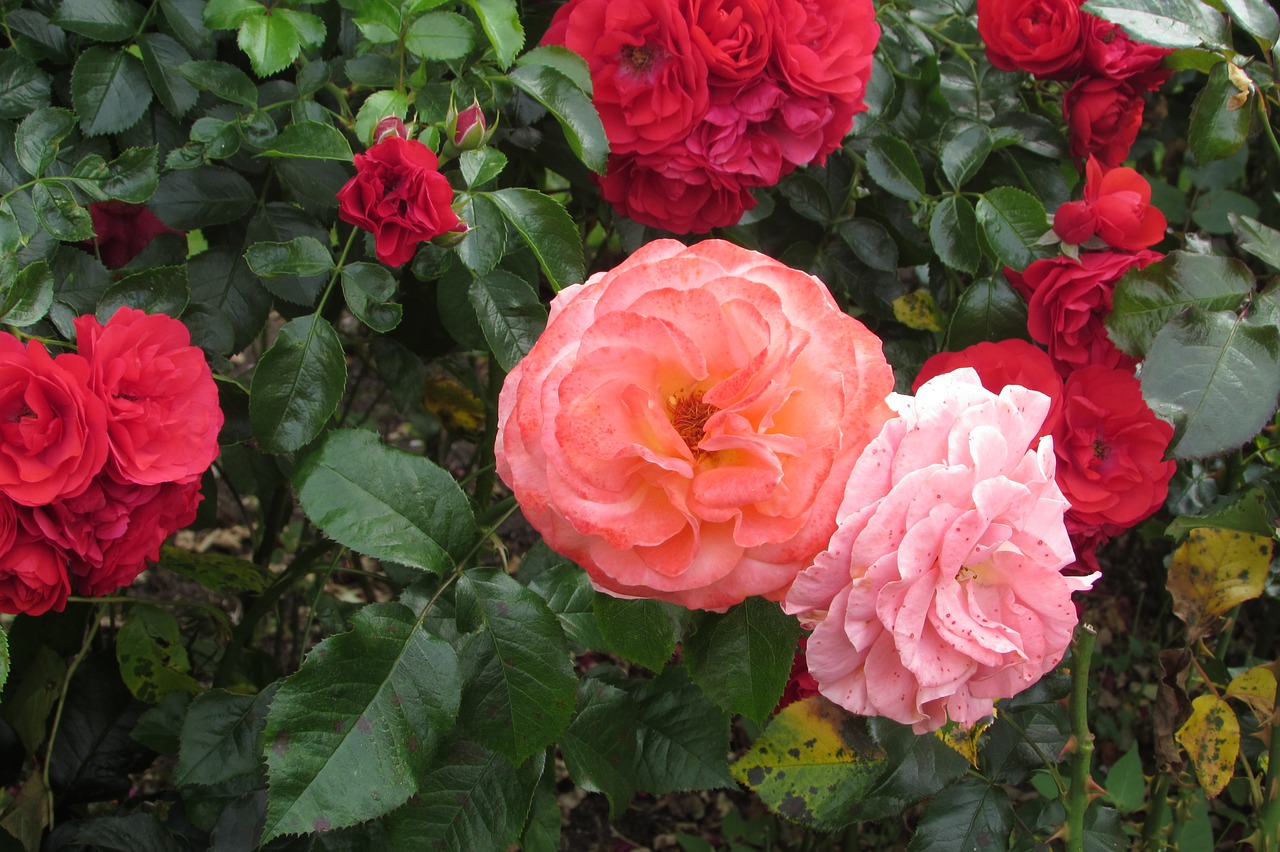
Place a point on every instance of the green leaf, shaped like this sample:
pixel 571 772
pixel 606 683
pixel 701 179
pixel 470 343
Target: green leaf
pixel 988 309
pixel 385 502
pixel 230 14
pixel 965 146
pixel 185 20
pixel 1255 17
pixel 1165 23
pixel 599 746
pixel 297 384
pixel 1219 127
pixel 222 79
pixel 501 22
pixel 893 165
pixel 156 290
pixel 221 737
pixel 23 86
pixel 27 299
pixel 486 238
pixel 39 135
pixel 481 165
pixel 1257 239
pixel 302 256
pixel 643 631
pixel 349 733
pixel 376 107
pixel 868 239
pixel 917 767
pixel 312 140
pixel 100 20
pixel 510 315
pixel 278 222
pixel 440 36
pixel 682 739
pixel 132 177
pixel 1126 788
pixel 813 764
pixel 572 108
pixel 970 814
pixel 59 214
pixel 1013 222
pixel 548 230
pixel 153 660
pixel 274 40
pixel 563 60
pixel 368 289
pixel 953 232
pixel 162 56
pixel 203 196
pixel 1216 377
pixel 742 658
pixel 475 799
pixel 217 572
pixel 109 89
pixel 1145 299
pixel 542 829
pixel 221 282
pixel 1251 512
pixel 519 685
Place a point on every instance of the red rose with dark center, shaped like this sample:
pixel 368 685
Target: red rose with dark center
pixel 1103 117
pixel 33 576
pixel 53 428
pixel 1043 37
pixel 1110 448
pixel 1067 301
pixel 1006 362
pixel 399 195
pixel 161 400
pixel 123 230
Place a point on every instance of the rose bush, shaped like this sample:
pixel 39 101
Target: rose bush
pixel 684 426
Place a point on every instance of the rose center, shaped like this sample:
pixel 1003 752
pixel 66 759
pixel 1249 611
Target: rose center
pixel 1100 450
pixel 640 58
pixel 689 416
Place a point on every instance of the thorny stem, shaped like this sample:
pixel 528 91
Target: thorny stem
pixel 90 630
pixel 1155 811
pixel 1077 801
pixel 1269 824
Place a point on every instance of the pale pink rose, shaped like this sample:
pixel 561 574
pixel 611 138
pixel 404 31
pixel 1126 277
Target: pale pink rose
pixel 684 427
pixel 942 587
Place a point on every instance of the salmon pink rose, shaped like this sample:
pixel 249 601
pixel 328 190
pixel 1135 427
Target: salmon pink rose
pixel 161 400
pixel 684 427
pixel 942 588
pixel 53 429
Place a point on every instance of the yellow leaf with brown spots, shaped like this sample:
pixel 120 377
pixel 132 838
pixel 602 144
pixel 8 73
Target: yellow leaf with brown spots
pixel 964 741
pixel 918 310
pixel 1257 688
pixel 1212 738
pixel 1214 570
pixel 453 405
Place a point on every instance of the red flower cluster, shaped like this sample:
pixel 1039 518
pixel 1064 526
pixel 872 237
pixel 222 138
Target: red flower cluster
pixel 1108 443
pixel 1054 39
pixel 101 454
pixel 704 99
pixel 399 195
pixel 1116 207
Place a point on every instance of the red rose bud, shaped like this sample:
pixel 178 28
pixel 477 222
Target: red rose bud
pixel 1075 222
pixel 468 130
pixel 390 126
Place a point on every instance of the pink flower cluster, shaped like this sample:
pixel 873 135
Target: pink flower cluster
pixel 101 454
pixel 1056 40
pixel 704 99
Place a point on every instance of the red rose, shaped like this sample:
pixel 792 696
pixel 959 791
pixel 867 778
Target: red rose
pixel 734 36
pixel 122 230
pixel 1110 53
pixel 1103 117
pixel 159 392
pixel 400 196
pixel 650 82
pixel 1110 448
pixel 800 684
pixel 114 527
pixel 1040 36
pixel 1008 362
pixel 1067 301
pixel 33 577
pixel 823 48
pixel 53 429
pixel 1116 206
pixel 675 190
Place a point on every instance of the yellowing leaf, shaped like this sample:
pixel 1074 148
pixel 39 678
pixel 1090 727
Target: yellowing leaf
pixel 1215 570
pixel 1211 737
pixel 453 405
pixel 963 741
pixel 1257 688
pixel 813 764
pixel 918 310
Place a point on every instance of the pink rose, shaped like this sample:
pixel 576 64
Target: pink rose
pixel 1103 117
pixel 161 400
pixel 942 590
pixel 650 81
pixel 33 576
pixel 114 527
pixel 1040 36
pixel 1068 301
pixel 684 427
pixel 53 429
pixel 1116 206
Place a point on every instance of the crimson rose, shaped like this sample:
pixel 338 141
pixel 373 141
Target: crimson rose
pixel 1116 206
pixel 122 230
pixel 400 196
pixel 1006 362
pixel 1103 117
pixel 33 576
pixel 1040 36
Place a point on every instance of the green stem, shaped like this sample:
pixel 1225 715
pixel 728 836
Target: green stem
pixel 1077 801
pixel 1269 824
pixel 90 631
pixel 1155 811
pixel 1266 125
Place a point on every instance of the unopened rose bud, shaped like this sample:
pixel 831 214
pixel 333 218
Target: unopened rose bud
pixel 390 126
pixel 466 130
pixel 451 238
